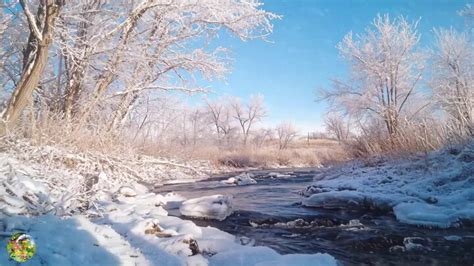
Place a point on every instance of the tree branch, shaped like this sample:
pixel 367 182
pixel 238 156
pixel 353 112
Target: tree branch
pixel 31 21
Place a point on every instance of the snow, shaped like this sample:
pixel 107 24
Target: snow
pixel 280 175
pixel 127 192
pixel 434 190
pixel 136 230
pixel 425 214
pixel 264 256
pixel 243 256
pixel 241 180
pixel 125 224
pixel 212 207
pixel 72 240
pixel 173 200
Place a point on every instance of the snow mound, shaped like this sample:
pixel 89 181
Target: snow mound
pixel 127 191
pixel 241 180
pixel 263 256
pixel 434 190
pixel 431 215
pixel 212 207
pixel 173 200
pixel 244 255
pixel 74 240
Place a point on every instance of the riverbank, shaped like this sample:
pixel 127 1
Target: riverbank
pixel 133 228
pixel 90 208
pixel 432 190
pixel 55 196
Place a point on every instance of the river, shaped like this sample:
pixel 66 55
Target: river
pixel 269 213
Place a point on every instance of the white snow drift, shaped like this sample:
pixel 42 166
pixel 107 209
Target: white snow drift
pixel 138 231
pixel 436 190
pixel 212 207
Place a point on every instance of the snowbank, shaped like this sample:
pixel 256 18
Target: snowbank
pixel 138 231
pixel 436 190
pixel 72 240
pixel 263 256
pixel 167 240
pixel 212 207
pixel 120 221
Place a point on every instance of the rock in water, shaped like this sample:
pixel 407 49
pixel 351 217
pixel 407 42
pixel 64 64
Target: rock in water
pixel 240 180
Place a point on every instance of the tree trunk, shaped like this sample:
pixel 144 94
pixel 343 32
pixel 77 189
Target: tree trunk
pixel 33 69
pixel 73 91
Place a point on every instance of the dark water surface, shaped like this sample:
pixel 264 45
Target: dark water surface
pixel 269 213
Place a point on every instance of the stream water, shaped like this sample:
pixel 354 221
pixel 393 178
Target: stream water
pixel 269 213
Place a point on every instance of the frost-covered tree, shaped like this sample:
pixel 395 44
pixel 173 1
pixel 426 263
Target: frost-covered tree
pixel 385 69
pixel 453 77
pixel 108 54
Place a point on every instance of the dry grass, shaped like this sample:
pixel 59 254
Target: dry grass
pixel 299 154
pixel 49 129
pixel 411 138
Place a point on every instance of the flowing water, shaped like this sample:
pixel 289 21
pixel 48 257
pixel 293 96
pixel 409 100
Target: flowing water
pixel 269 213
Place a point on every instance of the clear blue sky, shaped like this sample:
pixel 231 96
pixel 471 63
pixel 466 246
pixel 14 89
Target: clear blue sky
pixel 303 56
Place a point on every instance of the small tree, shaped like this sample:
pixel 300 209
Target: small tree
pixel 337 126
pixel 262 135
pixel 286 132
pixel 220 117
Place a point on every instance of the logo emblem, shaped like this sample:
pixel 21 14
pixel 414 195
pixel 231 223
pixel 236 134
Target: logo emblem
pixel 21 247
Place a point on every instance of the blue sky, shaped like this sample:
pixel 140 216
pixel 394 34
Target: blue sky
pixel 302 56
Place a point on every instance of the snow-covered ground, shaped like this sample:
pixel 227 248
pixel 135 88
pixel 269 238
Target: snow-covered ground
pixel 133 228
pixel 435 190
pixel 84 218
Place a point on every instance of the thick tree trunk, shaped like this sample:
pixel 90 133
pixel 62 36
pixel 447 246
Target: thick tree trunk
pixel 33 69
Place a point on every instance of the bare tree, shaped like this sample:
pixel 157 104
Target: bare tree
pixel 385 71
pixel 220 117
pixel 338 126
pixel 286 132
pixel 453 77
pixel 35 56
pixel 248 114
pixel 261 136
